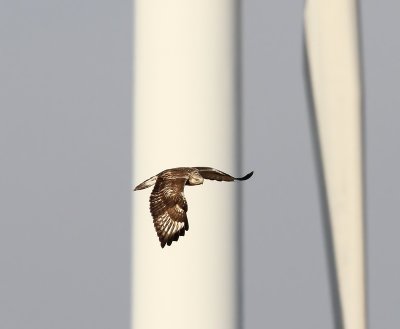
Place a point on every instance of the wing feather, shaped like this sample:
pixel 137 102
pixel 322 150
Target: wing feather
pixel 168 207
pixel 215 174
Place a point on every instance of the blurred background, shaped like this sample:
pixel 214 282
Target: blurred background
pixel 65 178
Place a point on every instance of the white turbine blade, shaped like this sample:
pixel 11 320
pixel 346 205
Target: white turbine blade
pixel 185 115
pixel 333 57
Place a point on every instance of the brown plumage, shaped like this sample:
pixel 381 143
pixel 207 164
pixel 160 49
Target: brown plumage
pixel 168 205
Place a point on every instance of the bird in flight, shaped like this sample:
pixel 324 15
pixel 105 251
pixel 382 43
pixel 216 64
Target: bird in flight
pixel 168 204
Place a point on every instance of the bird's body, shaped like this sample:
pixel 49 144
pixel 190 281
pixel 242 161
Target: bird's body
pixel 168 204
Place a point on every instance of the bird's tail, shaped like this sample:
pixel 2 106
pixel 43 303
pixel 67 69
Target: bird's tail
pixel 147 183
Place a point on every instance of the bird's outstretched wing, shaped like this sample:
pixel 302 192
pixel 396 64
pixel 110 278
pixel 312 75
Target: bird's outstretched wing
pixel 168 207
pixel 215 174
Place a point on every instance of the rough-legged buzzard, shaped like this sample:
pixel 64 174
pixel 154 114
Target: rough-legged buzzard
pixel 168 205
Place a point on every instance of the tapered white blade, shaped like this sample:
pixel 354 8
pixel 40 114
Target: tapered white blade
pixel 185 114
pixel 333 57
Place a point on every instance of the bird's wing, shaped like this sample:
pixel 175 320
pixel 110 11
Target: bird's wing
pixel 168 207
pixel 215 174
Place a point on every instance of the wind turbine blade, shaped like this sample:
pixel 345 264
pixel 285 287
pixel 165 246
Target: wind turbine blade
pixel 185 113
pixel 334 68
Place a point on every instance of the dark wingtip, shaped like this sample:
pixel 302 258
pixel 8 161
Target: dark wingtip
pixel 246 176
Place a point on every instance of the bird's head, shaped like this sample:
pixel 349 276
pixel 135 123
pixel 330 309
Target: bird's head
pixel 195 178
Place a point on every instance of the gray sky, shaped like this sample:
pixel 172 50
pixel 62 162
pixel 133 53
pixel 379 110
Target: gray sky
pixel 65 79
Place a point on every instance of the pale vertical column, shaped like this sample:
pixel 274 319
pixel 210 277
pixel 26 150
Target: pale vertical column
pixel 332 47
pixel 185 115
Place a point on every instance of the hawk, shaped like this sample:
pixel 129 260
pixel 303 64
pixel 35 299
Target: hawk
pixel 168 205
